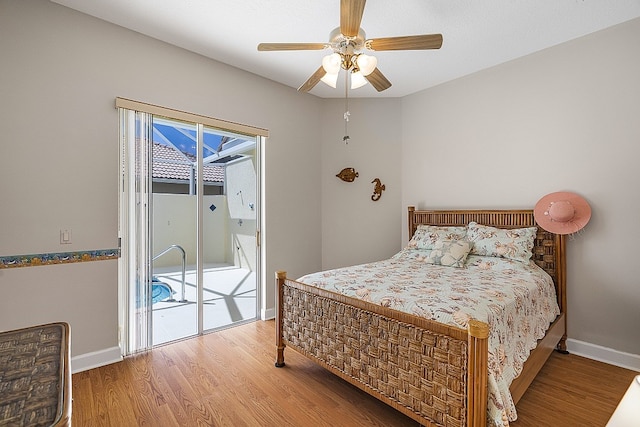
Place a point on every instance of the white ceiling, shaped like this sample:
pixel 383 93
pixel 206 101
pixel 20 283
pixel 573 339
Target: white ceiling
pixel 477 34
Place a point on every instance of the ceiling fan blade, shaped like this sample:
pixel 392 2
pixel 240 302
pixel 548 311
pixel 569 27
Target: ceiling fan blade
pixel 378 80
pixel 313 80
pixel 425 41
pixel 291 46
pixel 350 16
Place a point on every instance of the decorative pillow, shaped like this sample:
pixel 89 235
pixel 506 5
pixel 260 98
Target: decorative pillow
pixel 426 236
pixel 515 244
pixel 450 253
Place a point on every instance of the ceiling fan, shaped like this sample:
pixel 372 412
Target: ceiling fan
pixel 348 43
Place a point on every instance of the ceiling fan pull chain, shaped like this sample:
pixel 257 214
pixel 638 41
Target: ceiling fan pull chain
pixel 346 137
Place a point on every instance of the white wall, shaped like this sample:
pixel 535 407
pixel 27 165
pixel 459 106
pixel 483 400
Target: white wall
pixel 240 178
pixel 174 223
pixel 84 294
pixel 60 73
pixel 356 229
pixel 216 242
pixel 564 119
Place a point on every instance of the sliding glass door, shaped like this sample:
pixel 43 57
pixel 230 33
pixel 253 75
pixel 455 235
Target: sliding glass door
pixel 174 230
pixel 189 220
pixel 229 226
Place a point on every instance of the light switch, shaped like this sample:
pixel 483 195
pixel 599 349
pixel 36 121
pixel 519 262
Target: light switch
pixel 65 237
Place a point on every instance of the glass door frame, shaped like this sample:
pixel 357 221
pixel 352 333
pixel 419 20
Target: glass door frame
pixel 126 108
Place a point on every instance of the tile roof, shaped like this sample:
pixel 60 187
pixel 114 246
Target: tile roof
pixel 169 163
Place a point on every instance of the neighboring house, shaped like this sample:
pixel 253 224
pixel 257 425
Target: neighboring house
pixel 173 172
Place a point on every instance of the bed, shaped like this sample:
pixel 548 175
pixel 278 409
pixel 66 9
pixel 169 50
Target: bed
pixel 436 373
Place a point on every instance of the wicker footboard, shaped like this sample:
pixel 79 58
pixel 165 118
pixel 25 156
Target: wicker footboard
pixel 434 373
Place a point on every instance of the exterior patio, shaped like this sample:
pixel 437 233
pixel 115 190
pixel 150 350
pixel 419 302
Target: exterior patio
pixel 229 299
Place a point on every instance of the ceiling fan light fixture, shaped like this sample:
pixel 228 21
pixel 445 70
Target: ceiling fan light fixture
pixel 330 79
pixel 347 44
pixel 357 80
pixel 366 64
pixel 331 64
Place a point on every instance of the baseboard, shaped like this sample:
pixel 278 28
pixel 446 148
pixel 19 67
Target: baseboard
pixel 268 314
pixel 604 354
pixel 95 359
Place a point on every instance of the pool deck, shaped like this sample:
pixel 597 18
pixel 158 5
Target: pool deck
pixel 229 298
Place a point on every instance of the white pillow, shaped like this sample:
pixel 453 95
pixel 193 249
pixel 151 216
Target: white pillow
pixel 450 253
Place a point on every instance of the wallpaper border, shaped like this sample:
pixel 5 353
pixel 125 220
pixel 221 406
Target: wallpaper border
pixel 52 258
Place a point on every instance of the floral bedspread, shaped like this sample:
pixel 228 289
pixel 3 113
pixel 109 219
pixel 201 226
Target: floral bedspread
pixel 516 299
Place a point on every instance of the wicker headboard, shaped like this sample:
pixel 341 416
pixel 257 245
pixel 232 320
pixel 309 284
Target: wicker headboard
pixel 548 249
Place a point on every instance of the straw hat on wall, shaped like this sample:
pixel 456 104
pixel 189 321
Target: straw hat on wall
pixel 562 212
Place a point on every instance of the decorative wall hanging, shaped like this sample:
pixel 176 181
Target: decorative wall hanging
pixel 348 174
pixel 562 212
pixel 377 189
pixel 347 114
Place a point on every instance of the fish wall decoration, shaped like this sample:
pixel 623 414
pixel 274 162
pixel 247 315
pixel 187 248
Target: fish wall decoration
pixel 348 174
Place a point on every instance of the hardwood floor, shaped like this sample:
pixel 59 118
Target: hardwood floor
pixel 228 378
pixel 573 391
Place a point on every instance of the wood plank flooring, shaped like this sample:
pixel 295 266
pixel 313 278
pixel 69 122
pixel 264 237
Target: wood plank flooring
pixel 228 378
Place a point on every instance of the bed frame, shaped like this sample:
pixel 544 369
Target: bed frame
pixel 434 373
